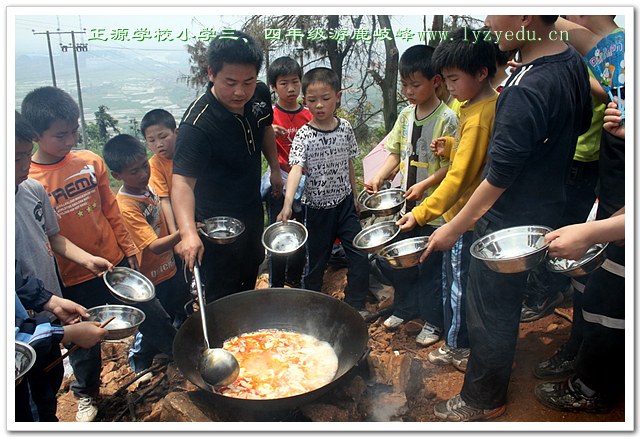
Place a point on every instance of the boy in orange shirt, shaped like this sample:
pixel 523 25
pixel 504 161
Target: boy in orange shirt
pixel 77 184
pixel 158 127
pixel 140 208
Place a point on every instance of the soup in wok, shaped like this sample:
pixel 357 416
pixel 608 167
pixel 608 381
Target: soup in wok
pixel 277 364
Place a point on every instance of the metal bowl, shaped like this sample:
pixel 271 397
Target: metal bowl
pixel 25 359
pixel 592 260
pixel 406 253
pixel 284 238
pixel 222 229
pixel 375 237
pixel 512 250
pixel 126 323
pixel 386 202
pixel 128 285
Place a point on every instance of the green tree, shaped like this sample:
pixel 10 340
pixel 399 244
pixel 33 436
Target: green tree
pixel 104 122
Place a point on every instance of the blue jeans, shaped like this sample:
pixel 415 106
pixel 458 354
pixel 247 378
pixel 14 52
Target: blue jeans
pixel 87 363
pixel 418 290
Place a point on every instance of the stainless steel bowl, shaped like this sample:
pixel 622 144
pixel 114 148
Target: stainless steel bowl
pixel 222 229
pixel 385 202
pixel 284 238
pixel 592 260
pixel 512 250
pixel 128 285
pixel 375 237
pixel 405 253
pixel 126 323
pixel 25 359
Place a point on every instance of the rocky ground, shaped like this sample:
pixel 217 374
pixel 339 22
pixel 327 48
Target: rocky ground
pixel 396 383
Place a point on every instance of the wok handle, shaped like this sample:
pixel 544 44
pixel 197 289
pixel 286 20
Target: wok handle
pixel 203 318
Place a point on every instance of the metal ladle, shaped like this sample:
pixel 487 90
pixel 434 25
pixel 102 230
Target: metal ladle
pixel 217 366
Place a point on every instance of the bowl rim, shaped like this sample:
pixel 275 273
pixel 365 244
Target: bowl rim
pixel 476 243
pixel 579 263
pixel 118 306
pixel 32 359
pixel 399 243
pixel 278 224
pixel 135 273
pixel 238 222
pixel 372 227
pixel 378 194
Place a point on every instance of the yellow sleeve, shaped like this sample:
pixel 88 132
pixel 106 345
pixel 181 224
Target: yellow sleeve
pixel 394 139
pixel 464 172
pixel 158 179
pixel 448 145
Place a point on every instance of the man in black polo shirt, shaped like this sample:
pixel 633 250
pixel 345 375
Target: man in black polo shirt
pixel 217 165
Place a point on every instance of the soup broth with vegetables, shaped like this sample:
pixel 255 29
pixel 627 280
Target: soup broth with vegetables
pixel 277 364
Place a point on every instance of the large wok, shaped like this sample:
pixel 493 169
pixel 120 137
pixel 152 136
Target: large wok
pixel 291 309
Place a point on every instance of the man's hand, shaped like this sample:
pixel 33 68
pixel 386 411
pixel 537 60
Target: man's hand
pixel 67 311
pixel 98 265
pixel 277 184
pixel 407 222
pixel 279 131
pixel 373 186
pixel 191 249
pixel 84 334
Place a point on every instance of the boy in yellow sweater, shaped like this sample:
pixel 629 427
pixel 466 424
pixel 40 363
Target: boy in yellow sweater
pixel 467 70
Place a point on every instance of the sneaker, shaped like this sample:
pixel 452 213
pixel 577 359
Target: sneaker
pixel 567 396
pixel 392 323
pixel 365 313
pixel 446 354
pixel 428 336
pixel 87 410
pixel 560 365
pixel 457 410
pixel 144 378
pixel 535 311
pixel 460 363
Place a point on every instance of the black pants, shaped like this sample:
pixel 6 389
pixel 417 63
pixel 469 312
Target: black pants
pixel 600 362
pixel 42 386
pixel 494 302
pixel 324 226
pixel 231 268
pixel 581 195
pixel 289 267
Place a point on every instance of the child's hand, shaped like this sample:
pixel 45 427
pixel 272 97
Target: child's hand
pixel 133 262
pixel 67 311
pixel 373 186
pixel 279 131
pixel 84 334
pixel 438 146
pixel 514 65
pixel 442 238
pixel 415 192
pixel 407 222
pixel 285 214
pixel 570 242
pixel 98 265
pixel 613 119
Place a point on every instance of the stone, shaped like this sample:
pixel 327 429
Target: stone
pixel 324 413
pixel 179 407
